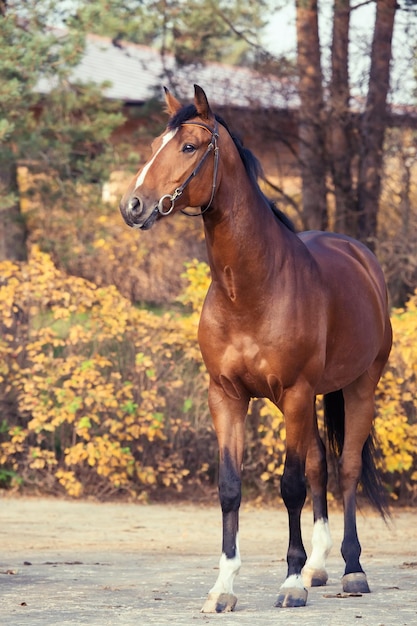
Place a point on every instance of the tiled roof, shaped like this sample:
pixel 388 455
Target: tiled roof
pixel 136 73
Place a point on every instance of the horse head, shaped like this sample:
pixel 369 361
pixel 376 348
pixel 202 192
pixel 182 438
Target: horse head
pixel 182 170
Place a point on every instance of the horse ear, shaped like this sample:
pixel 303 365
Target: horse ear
pixel 201 103
pixel 173 106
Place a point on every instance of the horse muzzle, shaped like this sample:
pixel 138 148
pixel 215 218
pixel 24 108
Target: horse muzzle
pixel 136 215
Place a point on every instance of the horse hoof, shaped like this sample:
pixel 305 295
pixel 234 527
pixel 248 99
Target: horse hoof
pixel 291 597
pixel 219 603
pixel 355 583
pixel 314 577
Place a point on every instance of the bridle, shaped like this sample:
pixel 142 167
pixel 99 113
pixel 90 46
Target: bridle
pixel 179 190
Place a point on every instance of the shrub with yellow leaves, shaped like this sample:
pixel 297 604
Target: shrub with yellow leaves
pixel 99 397
pixel 96 244
pixel 396 422
pixel 93 386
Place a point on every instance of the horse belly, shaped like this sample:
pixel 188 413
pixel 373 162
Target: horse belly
pixel 357 310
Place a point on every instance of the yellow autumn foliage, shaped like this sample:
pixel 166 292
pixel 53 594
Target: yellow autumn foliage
pixel 99 397
pixel 396 422
pixel 86 379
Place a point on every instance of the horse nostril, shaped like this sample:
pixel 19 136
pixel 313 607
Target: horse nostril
pixel 135 206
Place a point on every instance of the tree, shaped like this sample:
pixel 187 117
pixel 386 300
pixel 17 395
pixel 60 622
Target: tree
pixel 340 123
pixel 356 209
pixel 311 127
pixel 18 79
pixel 192 30
pixel 373 123
pixel 45 120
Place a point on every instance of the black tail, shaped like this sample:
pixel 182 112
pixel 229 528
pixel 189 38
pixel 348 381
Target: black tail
pixel 371 480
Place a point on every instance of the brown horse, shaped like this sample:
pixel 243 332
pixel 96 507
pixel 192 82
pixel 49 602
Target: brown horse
pixel 287 316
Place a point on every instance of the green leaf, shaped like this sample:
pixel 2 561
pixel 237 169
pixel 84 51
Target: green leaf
pixel 188 403
pixel 84 422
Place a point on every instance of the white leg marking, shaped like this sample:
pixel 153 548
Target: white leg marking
pixel 229 568
pixel 165 139
pixel 321 543
pixel 295 580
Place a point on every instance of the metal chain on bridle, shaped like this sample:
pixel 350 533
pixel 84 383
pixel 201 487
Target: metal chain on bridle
pixel 212 147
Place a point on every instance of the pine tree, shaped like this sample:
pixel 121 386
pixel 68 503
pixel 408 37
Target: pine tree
pixel 45 120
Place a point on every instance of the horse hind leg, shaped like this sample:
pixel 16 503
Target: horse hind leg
pixel 357 464
pixel 314 571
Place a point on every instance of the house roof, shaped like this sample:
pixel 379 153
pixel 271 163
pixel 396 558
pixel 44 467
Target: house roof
pixel 137 73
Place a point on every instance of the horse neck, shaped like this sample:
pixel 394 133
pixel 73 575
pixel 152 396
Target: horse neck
pixel 244 236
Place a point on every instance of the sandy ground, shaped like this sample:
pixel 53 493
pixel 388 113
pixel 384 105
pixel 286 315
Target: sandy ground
pixel 70 562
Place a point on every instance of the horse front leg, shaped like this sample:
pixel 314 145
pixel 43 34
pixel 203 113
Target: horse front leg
pixel 229 420
pixel 299 413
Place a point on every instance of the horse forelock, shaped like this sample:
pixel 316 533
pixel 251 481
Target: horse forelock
pixel 183 115
pixel 251 163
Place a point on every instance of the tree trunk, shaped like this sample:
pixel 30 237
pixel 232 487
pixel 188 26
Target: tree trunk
pixel 12 225
pixel 340 127
pixel 373 123
pixel 311 127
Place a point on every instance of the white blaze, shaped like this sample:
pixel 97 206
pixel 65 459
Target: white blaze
pixel 166 138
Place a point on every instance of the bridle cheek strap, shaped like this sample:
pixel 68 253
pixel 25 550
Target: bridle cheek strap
pixel 212 147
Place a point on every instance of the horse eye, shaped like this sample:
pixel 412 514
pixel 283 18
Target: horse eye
pixel 188 148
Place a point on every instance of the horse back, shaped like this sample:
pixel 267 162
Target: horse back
pixel 347 265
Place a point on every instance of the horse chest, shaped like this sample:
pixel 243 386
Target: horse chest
pixel 244 364
pixel 256 345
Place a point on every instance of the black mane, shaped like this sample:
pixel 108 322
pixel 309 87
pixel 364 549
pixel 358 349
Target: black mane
pixel 252 165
